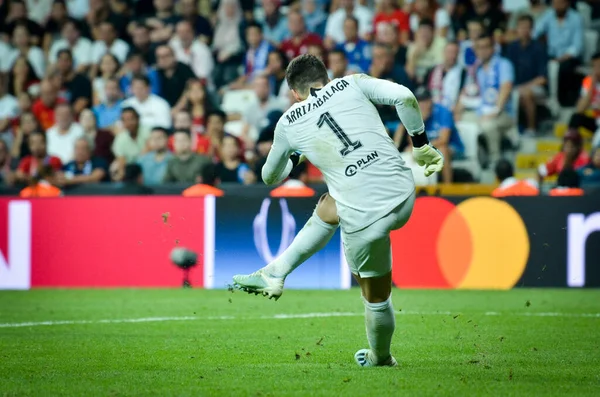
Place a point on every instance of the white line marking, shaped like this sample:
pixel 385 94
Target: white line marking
pixel 287 316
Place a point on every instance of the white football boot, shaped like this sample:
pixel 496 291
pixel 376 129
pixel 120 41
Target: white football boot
pixel 259 282
pixel 363 358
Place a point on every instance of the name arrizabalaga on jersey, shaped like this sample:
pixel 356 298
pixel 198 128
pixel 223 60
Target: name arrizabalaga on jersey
pixel 295 114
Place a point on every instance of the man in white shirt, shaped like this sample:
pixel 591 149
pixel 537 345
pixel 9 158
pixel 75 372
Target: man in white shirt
pixel 336 126
pixel 334 30
pixel 153 110
pixel 255 115
pixel 109 43
pixel 62 136
pixel 192 52
pixel 80 47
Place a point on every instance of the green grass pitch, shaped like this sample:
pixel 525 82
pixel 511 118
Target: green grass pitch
pixel 217 343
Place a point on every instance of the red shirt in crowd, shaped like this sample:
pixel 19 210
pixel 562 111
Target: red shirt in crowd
pixel 293 48
pixel 30 165
pixel 200 142
pixel 398 18
pixel 556 165
pixel 45 114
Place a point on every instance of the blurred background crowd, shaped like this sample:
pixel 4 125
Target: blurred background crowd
pixel 189 91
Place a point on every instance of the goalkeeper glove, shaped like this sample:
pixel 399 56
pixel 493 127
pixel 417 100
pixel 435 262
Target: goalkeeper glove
pixel 430 157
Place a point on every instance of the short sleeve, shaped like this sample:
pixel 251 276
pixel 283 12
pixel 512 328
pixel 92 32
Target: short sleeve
pixel 446 120
pixel 507 72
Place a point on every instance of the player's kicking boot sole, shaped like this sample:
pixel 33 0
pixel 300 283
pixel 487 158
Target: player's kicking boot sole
pixel 362 358
pixel 259 283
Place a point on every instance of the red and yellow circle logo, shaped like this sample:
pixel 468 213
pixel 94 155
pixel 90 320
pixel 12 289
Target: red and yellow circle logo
pixel 481 243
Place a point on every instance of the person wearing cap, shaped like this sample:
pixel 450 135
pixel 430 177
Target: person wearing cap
pixel 440 128
pixel 571 155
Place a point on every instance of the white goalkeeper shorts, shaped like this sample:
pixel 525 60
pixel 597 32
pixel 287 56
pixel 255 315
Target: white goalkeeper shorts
pixel 368 251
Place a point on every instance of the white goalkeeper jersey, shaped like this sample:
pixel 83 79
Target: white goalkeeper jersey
pixel 339 130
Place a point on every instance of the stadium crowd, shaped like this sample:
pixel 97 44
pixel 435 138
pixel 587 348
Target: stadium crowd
pixel 190 91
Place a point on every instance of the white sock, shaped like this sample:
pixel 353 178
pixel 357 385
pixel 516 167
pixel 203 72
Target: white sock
pixel 313 237
pixel 380 323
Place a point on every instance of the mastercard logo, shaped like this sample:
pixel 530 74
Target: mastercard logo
pixel 481 243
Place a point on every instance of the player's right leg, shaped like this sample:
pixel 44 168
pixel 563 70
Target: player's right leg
pixel 315 234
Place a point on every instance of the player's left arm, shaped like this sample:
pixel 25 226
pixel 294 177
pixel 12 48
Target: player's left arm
pixel 278 165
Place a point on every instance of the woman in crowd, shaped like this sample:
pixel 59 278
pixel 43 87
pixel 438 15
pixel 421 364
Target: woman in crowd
pixel 231 168
pixel 22 78
pixel 275 71
pixel 58 16
pixel 27 125
pixel 101 140
pixel 109 67
pixel 21 40
pixel 227 44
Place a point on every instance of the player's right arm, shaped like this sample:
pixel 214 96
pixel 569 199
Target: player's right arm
pixel 384 92
pixel 278 165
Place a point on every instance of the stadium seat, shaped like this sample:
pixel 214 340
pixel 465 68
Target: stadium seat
pixel 237 101
pixel 469 132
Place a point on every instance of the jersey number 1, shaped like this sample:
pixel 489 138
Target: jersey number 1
pixel 349 146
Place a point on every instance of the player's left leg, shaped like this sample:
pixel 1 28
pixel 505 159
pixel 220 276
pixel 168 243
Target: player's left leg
pixel 315 235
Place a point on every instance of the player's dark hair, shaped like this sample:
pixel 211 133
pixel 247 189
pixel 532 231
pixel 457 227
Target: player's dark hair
pixel 526 17
pixel 142 78
pixel 427 22
pixel 132 111
pixel 568 178
pixel 504 170
pixel 304 72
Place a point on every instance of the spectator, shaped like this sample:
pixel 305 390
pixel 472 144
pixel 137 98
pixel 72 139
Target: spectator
pixel 334 30
pixel 201 26
pixel 300 37
pixel 491 17
pixel 141 44
pixel 77 86
pixel 62 136
pixel 57 19
pixel 383 67
pixel 101 140
pixel 207 187
pixel 7 165
pixel 568 184
pixel 445 81
pixel 109 67
pixel 17 15
pixel 441 131
pixel 135 66
pixel 132 137
pixel 108 112
pixel 387 34
pixel 275 71
pixel 108 42
pixel 99 13
pixel 154 163
pixel 317 51
pixel 42 185
pixel 535 9
pixel 22 78
pixel 9 110
pixel 509 185
pixel 314 17
pixel 173 75
pixel 274 25
pixel 263 146
pixel 563 28
pixel 80 47
pixel 358 52
pixel 215 131
pixel 27 126
pixel 256 114
pixel 590 174
pixel 185 166
pixel 192 52
pixel 84 168
pixel 429 10
pixel 227 43
pixel 495 78
pixel 530 62
pixel 475 29
pixel 587 112
pixel 25 102
pixel 231 169
pixel 338 64
pixel 133 180
pixel 29 165
pixel 162 23
pixel 196 103
pixel 571 155
pixel 21 41
pixel 43 108
pixel 389 13
pixel 257 54
pixel 426 51
pixel 152 109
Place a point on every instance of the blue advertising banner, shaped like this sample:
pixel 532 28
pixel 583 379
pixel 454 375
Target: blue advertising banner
pixel 251 232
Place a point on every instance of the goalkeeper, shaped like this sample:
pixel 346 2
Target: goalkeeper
pixel 335 125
